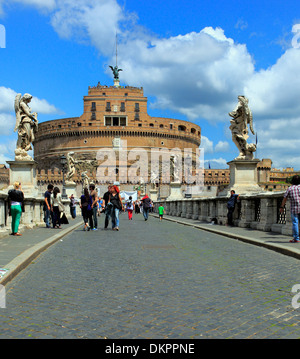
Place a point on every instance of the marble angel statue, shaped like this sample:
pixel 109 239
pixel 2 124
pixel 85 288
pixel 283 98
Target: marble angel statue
pixel 26 125
pixel 71 162
pixel 241 118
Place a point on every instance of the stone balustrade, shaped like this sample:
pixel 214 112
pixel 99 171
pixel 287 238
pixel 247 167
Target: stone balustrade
pixel 260 211
pixel 33 215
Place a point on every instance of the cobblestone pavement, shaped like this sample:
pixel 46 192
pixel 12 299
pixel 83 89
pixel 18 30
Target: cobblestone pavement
pixel 153 280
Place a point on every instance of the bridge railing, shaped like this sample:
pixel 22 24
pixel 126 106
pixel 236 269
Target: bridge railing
pixel 33 215
pixel 260 211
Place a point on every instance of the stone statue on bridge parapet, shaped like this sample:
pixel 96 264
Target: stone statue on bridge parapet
pixel 241 118
pixel 26 125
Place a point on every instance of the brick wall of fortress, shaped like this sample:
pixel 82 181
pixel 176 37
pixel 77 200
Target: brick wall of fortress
pixel 86 134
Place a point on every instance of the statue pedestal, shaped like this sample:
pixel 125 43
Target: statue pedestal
pixel 70 188
pixel 25 173
pixel 153 194
pixel 243 177
pixel 176 192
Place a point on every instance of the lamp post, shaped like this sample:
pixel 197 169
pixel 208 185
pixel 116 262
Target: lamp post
pixel 188 163
pixel 63 162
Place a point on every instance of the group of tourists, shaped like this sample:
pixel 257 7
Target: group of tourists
pixel 111 204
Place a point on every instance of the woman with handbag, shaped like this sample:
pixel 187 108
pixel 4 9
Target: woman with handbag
pixel 15 207
pixel 116 201
pixel 57 207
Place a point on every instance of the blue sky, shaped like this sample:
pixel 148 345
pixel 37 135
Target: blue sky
pixel 192 57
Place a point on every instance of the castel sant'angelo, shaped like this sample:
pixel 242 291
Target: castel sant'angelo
pixel 113 117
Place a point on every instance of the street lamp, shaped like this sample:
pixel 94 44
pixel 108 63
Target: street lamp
pixel 188 163
pixel 63 162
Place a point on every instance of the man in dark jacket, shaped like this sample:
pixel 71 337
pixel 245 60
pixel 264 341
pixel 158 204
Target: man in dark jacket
pixel 47 205
pixel 230 206
pixel 146 201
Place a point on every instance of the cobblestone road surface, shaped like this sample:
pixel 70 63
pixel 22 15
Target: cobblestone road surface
pixel 153 280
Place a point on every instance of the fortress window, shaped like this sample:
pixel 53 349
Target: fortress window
pixel 161 126
pixel 193 130
pixel 115 121
pixel 171 126
pixel 136 117
pixel 122 121
pixel 107 121
pixel 151 124
pixel 122 106
pixel 78 124
pixel 59 126
pixel 140 125
pixel 181 128
pixel 137 107
pixel 93 106
pixel 93 116
pixel 108 108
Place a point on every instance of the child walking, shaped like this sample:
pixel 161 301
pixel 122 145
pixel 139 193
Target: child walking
pixel 161 212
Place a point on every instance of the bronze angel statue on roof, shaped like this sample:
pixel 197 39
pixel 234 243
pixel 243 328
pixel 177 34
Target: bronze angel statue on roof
pixel 115 71
pixel 26 125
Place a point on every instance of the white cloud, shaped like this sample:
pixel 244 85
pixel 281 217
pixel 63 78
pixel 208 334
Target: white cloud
pixel 222 146
pixel 207 145
pixel 216 163
pixel 7 112
pixel 198 74
pixel 40 4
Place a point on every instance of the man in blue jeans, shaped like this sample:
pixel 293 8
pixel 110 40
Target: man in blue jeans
pixel 146 201
pixel 231 206
pixel 293 193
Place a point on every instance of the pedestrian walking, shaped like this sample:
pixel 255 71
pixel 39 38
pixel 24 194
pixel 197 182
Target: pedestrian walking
pixel 16 207
pixel 94 195
pixel 73 206
pixel 231 206
pixel 161 212
pixel 116 201
pixel 129 207
pixel 146 202
pixel 136 207
pixel 47 205
pixel 57 207
pixel 86 209
pixel 293 193
pixel 108 206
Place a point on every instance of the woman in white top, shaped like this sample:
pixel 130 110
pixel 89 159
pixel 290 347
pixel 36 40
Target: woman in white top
pixel 56 204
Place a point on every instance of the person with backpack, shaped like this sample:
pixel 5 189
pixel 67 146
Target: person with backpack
pixel 129 207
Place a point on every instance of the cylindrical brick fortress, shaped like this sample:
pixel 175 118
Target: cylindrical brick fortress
pixel 112 116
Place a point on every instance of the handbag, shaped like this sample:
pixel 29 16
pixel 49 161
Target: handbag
pixel 61 207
